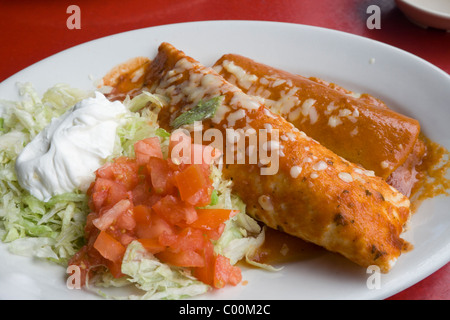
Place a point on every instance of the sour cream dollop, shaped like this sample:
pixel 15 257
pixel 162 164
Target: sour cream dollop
pixel 64 156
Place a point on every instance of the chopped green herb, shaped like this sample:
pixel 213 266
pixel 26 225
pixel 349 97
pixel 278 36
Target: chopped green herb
pixel 203 110
pixel 214 198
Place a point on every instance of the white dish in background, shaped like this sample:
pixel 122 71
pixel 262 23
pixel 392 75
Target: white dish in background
pixel 427 13
pixel 405 82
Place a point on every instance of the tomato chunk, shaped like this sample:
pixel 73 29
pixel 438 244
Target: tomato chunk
pixel 109 247
pixel 155 228
pixel 142 214
pixel 152 245
pixel 141 193
pixel 115 268
pixel 195 188
pixel 111 215
pixel 225 273
pixel 124 171
pixel 161 176
pixel 175 211
pixel 206 273
pixel 182 259
pixel 211 219
pixel 106 172
pixel 186 240
pixel 147 148
pixel 126 221
pixel 107 192
pixel 126 238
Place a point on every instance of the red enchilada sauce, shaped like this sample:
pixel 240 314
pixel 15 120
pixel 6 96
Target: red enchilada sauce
pixel 279 247
pixel 432 172
pixel 421 177
pixel 125 79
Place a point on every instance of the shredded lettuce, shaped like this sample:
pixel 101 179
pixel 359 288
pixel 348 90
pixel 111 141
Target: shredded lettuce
pixel 154 279
pixel 52 230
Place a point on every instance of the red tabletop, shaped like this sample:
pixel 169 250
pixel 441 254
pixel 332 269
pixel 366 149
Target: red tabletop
pixel 32 30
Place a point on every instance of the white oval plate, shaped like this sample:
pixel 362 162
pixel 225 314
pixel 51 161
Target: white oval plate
pixel 405 82
pixel 427 13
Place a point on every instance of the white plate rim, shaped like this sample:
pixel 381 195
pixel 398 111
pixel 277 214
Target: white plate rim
pixel 426 10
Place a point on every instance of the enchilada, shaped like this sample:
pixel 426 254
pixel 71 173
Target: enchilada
pixel 315 195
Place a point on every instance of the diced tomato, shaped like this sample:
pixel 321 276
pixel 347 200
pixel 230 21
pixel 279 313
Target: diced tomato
pixel 115 194
pixel 215 233
pixel 182 259
pixel 156 227
pixel 115 268
pixel 147 148
pixel 175 211
pixel 189 239
pixel 143 195
pixel 160 226
pixel 153 200
pixel 167 239
pixel 142 214
pixel 225 273
pixel 218 270
pixel 112 214
pixel 126 238
pixel 107 192
pixel 89 227
pixel 126 220
pixel 206 273
pixel 125 171
pixel 109 247
pixel 161 176
pixel 152 245
pixel 105 172
pixel 211 219
pixel 98 197
pixel 195 188
pixel 140 193
pixel 122 170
